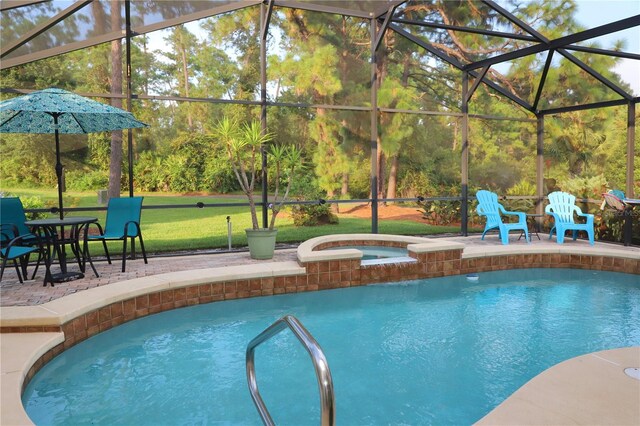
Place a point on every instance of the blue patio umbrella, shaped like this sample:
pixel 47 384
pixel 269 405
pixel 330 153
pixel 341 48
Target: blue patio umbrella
pixel 59 111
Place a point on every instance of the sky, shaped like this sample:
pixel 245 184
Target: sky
pixel 591 13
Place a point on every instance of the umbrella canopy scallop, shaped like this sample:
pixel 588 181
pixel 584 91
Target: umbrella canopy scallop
pixel 33 113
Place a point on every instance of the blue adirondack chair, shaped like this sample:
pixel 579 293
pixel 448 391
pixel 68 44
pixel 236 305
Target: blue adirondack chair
pixel 123 222
pixel 562 207
pixel 489 207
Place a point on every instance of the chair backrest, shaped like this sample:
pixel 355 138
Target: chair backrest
pixel 614 198
pixel 12 213
pixel 563 205
pixel 488 203
pixel 489 206
pixel 123 210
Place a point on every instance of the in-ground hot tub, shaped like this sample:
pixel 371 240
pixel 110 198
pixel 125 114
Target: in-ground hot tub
pixel 354 259
pixel 376 252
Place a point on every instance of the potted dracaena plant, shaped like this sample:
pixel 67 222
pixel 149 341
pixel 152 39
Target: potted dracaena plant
pixel 243 143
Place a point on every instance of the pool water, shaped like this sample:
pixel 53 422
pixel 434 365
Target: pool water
pixel 376 252
pixel 437 351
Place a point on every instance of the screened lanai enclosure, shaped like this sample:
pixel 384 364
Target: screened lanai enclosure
pixel 410 103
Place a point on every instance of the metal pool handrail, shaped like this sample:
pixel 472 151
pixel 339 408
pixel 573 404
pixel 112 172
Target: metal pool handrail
pixel 320 364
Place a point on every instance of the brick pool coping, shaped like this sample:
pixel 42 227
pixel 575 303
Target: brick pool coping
pixel 58 325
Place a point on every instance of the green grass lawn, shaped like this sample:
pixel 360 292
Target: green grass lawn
pixel 178 229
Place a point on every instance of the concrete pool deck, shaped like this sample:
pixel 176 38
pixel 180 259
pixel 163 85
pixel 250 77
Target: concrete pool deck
pixel 557 396
pixel 32 292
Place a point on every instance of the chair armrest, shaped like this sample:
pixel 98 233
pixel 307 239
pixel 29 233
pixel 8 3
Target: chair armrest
pixel 552 214
pixel 15 242
pixel 126 229
pixel 86 229
pixel 521 216
pixel 589 216
pixel 9 227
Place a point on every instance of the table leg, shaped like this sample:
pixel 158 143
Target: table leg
pixel 628 226
pixel 64 274
pixel 62 253
pixel 86 256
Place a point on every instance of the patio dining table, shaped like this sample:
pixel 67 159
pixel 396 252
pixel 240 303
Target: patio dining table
pixel 54 229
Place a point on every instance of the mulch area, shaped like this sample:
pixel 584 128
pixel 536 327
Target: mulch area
pixel 388 212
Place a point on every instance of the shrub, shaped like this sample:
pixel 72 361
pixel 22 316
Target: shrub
pixel 149 173
pixel 218 175
pixel 415 183
pixel 313 214
pixel 79 180
pixel 440 212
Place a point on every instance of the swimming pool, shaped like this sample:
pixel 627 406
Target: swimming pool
pixel 443 350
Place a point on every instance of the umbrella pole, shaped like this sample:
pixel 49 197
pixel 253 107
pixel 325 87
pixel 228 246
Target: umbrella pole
pixel 63 254
pixel 58 165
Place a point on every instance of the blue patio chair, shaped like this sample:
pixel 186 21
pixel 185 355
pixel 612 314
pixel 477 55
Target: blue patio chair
pixel 562 207
pixel 488 206
pixel 123 221
pixel 15 248
pixel 12 219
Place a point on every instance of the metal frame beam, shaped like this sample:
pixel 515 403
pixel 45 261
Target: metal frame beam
pixel 503 92
pixel 464 156
pixel 8 5
pixel 265 17
pixel 631 136
pixel 563 41
pixel 323 8
pixel 602 79
pixel 292 4
pixel 39 29
pixel 558 43
pixel 539 166
pixel 230 7
pixel 428 46
pixel 264 30
pixel 543 78
pixel 411 111
pixel 59 50
pixel 383 27
pixel 515 20
pixel 373 141
pixel 456 63
pixel 465 29
pixel 476 83
pixel 606 52
pixel 603 104
pixel 382 12
pixel 127 27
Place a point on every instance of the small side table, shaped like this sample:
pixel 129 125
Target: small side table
pixel 532 225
